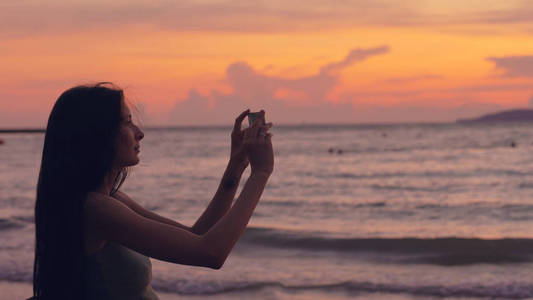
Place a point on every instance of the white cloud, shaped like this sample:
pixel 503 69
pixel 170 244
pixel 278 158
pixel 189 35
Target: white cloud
pixel 255 90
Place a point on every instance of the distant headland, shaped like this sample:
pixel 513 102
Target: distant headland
pixel 514 115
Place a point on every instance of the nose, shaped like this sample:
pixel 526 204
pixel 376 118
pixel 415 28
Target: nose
pixel 140 134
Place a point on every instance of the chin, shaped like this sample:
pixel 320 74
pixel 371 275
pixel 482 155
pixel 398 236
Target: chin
pixel 132 162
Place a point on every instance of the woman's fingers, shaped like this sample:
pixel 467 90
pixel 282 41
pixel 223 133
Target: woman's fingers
pixel 263 131
pixel 257 132
pixel 238 120
pixel 246 135
pixel 258 128
pixel 266 127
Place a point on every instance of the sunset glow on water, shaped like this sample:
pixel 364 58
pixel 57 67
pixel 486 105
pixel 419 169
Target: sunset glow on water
pixel 403 212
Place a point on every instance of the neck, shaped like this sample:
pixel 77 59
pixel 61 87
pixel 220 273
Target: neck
pixel 107 185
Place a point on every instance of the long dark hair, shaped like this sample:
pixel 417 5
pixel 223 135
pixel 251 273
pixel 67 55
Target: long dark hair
pixel 79 151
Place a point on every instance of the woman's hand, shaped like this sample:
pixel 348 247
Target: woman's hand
pixel 258 145
pixel 238 154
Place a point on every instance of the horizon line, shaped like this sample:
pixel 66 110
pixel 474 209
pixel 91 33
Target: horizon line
pixel 283 125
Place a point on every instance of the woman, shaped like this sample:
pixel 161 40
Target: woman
pixel 92 240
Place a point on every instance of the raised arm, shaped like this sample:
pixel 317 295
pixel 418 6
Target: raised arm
pixel 226 232
pixel 217 208
pixel 114 221
pixel 229 183
pixel 222 200
pixel 136 207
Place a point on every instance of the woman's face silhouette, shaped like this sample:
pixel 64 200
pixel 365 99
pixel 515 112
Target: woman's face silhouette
pixel 128 140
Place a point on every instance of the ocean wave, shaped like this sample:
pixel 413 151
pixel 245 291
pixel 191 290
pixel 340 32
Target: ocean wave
pixel 502 290
pixel 425 174
pixel 8 224
pixel 444 188
pixel 192 286
pixel 465 258
pixel 429 147
pixel 443 251
pixel 289 203
pixel 481 207
pixel 525 185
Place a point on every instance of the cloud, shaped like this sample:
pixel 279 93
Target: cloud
pixel 37 17
pixel 289 100
pixel 521 12
pixel 250 85
pixel 354 56
pixel 530 102
pixel 24 17
pixel 514 66
pixel 305 99
pixel 401 80
pixel 511 86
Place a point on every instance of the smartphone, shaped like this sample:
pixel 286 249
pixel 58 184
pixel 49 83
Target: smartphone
pixel 253 116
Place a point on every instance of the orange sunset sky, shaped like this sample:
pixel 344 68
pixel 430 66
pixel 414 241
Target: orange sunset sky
pixel 203 62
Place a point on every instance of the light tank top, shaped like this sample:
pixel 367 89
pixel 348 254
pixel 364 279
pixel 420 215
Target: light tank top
pixel 117 272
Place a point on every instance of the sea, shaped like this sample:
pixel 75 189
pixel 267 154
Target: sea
pixel 391 211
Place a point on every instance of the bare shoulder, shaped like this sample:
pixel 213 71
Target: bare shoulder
pixel 125 199
pixel 111 219
pixel 96 202
pixel 120 195
pixel 102 210
pixel 93 202
pixel 129 202
pixel 100 201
